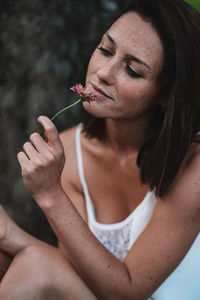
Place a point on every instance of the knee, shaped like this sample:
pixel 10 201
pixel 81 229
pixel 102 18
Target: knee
pixel 5 261
pixel 41 262
pixel 35 263
pixel 33 255
pixel 42 256
pixel 28 275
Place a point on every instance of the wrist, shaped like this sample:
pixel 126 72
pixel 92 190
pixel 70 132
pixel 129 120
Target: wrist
pixel 48 199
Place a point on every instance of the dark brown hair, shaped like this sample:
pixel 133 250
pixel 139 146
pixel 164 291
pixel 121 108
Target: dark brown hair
pixel 178 25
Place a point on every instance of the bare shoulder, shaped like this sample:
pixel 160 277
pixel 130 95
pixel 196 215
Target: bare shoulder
pixel 68 137
pixel 186 187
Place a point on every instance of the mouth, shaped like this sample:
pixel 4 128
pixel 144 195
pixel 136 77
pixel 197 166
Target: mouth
pixel 99 92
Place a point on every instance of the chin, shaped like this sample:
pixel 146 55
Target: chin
pixel 95 110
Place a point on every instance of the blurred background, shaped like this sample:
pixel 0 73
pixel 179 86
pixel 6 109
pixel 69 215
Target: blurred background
pixel 45 46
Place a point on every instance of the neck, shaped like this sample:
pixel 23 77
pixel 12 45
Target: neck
pixel 125 136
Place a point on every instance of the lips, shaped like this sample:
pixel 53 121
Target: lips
pixel 100 91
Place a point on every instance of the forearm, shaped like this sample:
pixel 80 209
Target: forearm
pixel 14 239
pixel 25 239
pixel 42 164
pixel 104 274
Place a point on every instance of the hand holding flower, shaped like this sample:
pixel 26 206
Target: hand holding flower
pixel 42 163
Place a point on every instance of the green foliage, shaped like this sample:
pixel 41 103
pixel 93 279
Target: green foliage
pixel 195 4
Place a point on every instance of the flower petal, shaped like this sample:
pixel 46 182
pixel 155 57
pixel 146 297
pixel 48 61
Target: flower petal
pixel 83 92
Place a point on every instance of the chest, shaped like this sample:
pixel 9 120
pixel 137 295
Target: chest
pixel 114 186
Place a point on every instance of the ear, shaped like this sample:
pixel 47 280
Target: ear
pixel 163 102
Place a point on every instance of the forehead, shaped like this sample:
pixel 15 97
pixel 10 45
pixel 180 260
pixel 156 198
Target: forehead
pixel 137 36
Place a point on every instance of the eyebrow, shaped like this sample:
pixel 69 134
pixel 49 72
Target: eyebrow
pixel 129 56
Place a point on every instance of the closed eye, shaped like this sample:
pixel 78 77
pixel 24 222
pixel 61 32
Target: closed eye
pixel 132 73
pixel 105 51
pixel 129 70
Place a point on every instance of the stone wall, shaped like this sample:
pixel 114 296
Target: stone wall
pixel 44 50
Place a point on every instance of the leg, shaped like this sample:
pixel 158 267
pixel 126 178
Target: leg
pixel 12 238
pixel 43 273
pixel 5 261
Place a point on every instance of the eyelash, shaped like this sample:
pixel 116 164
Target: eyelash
pixel 132 73
pixel 105 51
pixel 129 70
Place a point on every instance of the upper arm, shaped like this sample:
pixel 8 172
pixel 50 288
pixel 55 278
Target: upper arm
pixel 170 233
pixel 160 248
pixel 70 176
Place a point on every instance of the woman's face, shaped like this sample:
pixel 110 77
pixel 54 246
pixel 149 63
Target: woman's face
pixel 123 71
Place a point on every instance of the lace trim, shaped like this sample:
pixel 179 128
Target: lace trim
pixel 116 241
pixel 118 237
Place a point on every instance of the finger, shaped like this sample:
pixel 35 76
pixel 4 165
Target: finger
pixel 50 130
pixel 30 151
pixel 38 142
pixel 22 159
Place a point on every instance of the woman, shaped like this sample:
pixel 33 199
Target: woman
pixel 126 209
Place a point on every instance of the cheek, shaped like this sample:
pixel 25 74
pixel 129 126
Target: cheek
pixel 127 90
pixel 137 95
pixel 93 64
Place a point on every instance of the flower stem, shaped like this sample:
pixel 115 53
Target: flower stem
pixel 64 109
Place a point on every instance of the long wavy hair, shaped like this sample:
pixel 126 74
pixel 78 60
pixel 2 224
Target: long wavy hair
pixel 175 128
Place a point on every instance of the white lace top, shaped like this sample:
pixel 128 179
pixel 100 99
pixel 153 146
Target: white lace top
pixel 118 238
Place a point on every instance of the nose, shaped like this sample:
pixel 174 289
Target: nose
pixel 107 72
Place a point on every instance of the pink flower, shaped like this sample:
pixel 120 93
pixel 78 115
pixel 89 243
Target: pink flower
pixel 83 92
pixel 84 95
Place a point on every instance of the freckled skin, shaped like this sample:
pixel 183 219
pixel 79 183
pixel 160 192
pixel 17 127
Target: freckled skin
pixel 132 97
pixel 175 220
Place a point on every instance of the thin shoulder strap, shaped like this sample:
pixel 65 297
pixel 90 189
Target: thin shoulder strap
pixel 89 205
